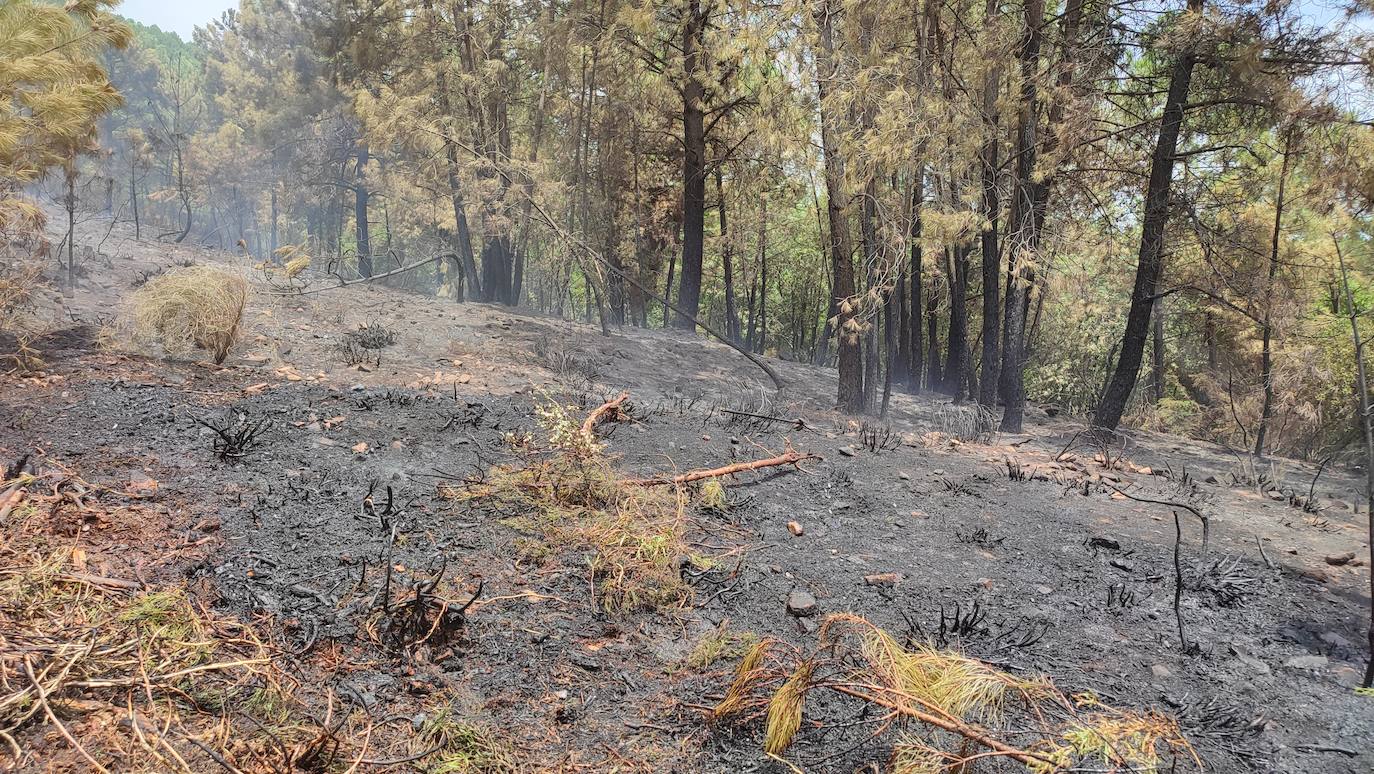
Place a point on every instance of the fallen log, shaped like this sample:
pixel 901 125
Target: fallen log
pixel 789 457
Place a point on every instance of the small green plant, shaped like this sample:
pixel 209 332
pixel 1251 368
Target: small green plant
pixel 720 644
pixel 464 748
pixel 713 497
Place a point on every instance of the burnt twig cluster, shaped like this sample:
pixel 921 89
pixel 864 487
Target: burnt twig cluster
pixel 878 439
pixel 235 436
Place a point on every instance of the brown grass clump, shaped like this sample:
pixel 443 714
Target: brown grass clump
pixel 197 307
pixel 632 537
pixel 965 709
pixel 568 493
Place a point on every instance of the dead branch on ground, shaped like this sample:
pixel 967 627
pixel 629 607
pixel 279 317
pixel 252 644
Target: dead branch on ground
pixel 789 457
pixel 609 410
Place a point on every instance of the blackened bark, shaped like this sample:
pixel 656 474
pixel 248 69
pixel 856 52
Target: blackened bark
pixel 957 335
pixel 731 314
pixel 990 369
pixel 1026 236
pixel 936 376
pixel 1157 354
pixel 850 396
pixel 1150 262
pixel 916 366
pixel 693 167
pixel 361 230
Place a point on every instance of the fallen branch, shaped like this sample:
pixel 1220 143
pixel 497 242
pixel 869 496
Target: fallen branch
pixel 610 407
pixel 797 423
pixel 360 280
pixel 788 457
pixel 951 724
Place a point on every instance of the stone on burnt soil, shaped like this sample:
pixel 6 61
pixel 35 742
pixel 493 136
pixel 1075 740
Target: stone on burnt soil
pixel 1338 560
pixel 1306 662
pixel 800 603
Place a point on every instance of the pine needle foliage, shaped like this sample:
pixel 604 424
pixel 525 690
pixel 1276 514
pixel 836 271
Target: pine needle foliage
pixel 53 88
pixel 957 707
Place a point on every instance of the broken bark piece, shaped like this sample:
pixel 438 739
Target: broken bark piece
pixel 883 579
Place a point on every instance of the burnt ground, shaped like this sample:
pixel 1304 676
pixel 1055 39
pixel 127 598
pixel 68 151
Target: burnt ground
pixel 1067 577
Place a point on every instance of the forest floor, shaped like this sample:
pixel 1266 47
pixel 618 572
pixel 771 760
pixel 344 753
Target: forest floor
pixel 1051 568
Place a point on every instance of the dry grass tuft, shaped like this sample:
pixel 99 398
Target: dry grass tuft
pixel 633 537
pixel 712 496
pixel 570 495
pixel 111 675
pixel 926 678
pixel 19 284
pixel 81 653
pixel 192 307
pixel 785 710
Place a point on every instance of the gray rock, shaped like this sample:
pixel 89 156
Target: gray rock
pixel 1306 662
pixel 1337 560
pixel 800 603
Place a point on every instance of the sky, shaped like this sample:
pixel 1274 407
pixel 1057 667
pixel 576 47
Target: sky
pixel 179 16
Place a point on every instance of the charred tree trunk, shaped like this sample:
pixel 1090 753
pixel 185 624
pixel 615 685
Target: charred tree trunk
pixel 990 371
pixel 850 396
pixel 868 227
pixel 937 371
pixel 916 365
pixel 1150 262
pixel 361 227
pixel 1157 353
pixel 957 335
pixel 731 314
pixel 693 167
pixel 1026 241
pixel 1267 325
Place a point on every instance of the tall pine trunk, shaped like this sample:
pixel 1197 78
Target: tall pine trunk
pixel 1026 237
pixel 990 370
pixel 850 397
pixel 361 230
pixel 1150 261
pixel 693 168
pixel 1267 327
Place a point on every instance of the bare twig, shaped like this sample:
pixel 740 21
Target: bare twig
pixel 41 697
pixel 788 457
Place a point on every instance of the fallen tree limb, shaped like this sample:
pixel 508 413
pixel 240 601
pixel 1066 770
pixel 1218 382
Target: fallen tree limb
pixel 798 423
pixel 602 413
pixel 345 283
pixel 788 457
